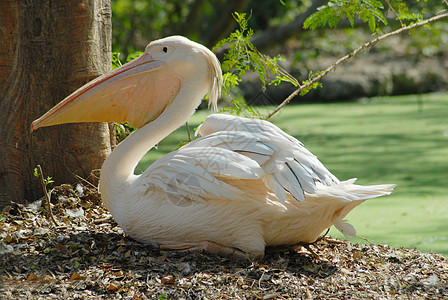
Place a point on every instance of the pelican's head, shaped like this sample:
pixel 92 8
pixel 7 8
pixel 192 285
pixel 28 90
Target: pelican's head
pixel 186 58
pixel 139 91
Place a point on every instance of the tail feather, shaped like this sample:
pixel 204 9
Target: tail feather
pixel 348 191
pixel 345 228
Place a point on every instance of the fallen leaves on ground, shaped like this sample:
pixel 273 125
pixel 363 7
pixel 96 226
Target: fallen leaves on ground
pixel 88 256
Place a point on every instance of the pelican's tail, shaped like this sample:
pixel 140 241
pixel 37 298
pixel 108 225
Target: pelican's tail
pixel 353 195
pixel 348 191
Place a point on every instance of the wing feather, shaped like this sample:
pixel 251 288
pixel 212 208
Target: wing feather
pixel 288 165
pixel 193 173
pixel 239 149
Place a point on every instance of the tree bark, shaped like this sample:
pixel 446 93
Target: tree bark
pixel 48 49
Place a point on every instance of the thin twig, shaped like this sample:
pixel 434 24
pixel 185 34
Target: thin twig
pixel 87 182
pixel 188 132
pixel 367 45
pixel 322 236
pixel 395 13
pixel 47 196
pixel 363 238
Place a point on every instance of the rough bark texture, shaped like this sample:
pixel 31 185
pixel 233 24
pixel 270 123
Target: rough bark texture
pixel 48 49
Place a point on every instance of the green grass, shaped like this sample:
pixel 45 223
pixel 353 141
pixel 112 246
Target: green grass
pixel 401 140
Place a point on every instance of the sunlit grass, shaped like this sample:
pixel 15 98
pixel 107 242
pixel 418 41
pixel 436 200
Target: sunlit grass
pixel 401 140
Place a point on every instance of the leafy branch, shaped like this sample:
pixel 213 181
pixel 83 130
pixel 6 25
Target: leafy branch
pixel 395 12
pixel 367 45
pixel 368 11
pixel 242 56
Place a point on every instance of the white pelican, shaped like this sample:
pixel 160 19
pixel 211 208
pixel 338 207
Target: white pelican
pixel 242 186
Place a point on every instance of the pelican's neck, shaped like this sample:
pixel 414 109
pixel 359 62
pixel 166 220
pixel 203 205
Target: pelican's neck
pixel 119 166
pixel 117 180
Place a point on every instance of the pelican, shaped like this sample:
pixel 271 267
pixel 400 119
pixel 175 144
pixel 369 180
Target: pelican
pixel 243 185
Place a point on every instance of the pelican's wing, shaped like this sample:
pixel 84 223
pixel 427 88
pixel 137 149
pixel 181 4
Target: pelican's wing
pixel 287 164
pixel 198 173
pixel 149 84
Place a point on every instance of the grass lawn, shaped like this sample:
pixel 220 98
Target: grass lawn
pixel 401 140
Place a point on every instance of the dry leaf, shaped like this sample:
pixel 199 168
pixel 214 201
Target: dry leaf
pixel 113 286
pixel 170 279
pixel 76 276
pixel 32 277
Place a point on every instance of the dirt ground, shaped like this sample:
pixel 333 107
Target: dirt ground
pixel 88 256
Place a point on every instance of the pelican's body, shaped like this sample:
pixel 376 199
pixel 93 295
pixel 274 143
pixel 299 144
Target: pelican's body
pixel 242 186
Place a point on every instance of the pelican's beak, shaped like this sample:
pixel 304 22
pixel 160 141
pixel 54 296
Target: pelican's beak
pixel 124 94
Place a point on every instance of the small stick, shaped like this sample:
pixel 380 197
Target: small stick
pixel 47 196
pixel 395 13
pixel 188 131
pixel 86 181
pixel 322 236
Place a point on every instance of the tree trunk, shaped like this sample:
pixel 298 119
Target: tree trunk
pixel 48 49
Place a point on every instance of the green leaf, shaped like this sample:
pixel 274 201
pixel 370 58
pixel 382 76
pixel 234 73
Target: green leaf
pixel 122 131
pixel 315 85
pixel 116 60
pixel 230 80
pixel 48 180
pixel 369 11
pixel 133 56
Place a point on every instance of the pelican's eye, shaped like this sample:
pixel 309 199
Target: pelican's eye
pixel 165 49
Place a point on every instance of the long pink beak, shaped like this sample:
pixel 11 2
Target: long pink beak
pixel 117 96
